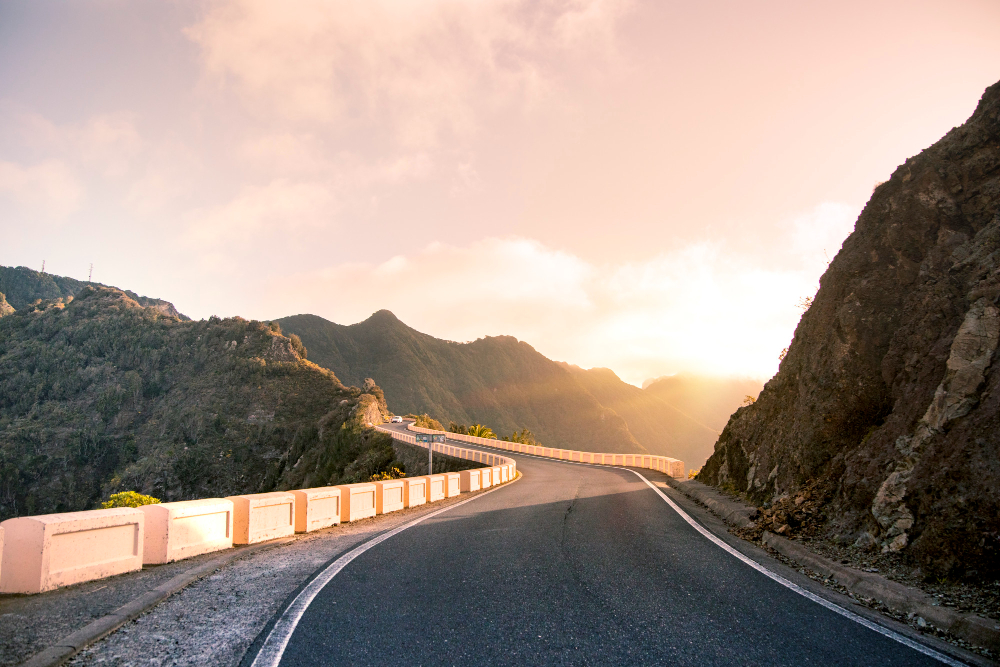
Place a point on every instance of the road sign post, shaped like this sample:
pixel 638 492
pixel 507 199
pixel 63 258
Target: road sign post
pixel 430 439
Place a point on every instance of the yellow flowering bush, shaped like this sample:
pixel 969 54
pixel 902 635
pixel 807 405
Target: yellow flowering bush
pixel 128 499
pixel 393 473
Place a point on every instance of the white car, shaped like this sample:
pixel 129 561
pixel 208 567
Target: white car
pixel 396 420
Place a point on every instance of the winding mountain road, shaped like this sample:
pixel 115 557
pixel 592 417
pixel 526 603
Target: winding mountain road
pixel 570 565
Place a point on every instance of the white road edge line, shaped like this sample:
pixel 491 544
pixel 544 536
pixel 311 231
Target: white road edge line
pixel 895 636
pixel 906 641
pixel 273 649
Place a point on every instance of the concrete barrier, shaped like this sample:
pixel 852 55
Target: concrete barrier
pixel 436 488
pixel 415 491
pixel 497 475
pixel 258 517
pixel 453 484
pixel 316 508
pixel 357 501
pixel 175 531
pixel 672 467
pixel 471 480
pixel 485 478
pixel 389 496
pixel 504 474
pixel 41 553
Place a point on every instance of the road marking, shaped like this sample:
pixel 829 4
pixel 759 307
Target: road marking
pixel 906 641
pixel 895 636
pixel 273 648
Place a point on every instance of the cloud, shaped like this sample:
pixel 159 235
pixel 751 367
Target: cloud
pixel 259 213
pixel 422 70
pixel 705 307
pixel 48 189
pixel 107 142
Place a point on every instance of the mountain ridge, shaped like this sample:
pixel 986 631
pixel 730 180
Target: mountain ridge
pixel 23 286
pixel 496 381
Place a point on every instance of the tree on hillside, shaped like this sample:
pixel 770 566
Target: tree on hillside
pixel 480 431
pixel 525 437
pixel 426 421
pixel 458 428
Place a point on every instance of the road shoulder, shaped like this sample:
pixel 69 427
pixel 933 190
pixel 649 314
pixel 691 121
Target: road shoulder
pixel 714 516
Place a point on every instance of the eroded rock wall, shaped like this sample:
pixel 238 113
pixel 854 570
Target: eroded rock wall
pixel 888 396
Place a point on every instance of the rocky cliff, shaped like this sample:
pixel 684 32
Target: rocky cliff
pixel 886 404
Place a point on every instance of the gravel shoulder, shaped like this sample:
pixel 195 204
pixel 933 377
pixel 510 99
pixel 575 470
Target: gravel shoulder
pixel 212 621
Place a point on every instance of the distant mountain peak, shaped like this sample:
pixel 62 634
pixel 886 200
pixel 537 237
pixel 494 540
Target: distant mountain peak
pixel 383 316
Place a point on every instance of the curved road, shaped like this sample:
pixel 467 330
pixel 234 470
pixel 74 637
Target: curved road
pixel 570 565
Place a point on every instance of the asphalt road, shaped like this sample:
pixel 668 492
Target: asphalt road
pixel 570 565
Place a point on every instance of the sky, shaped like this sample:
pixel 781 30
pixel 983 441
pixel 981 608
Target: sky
pixel 648 186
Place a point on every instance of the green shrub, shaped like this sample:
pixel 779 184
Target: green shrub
pixel 426 421
pixel 525 437
pixel 480 431
pixel 128 499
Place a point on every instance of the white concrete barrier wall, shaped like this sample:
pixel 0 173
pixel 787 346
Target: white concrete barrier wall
pixel 453 485
pixel 258 517
pixel 414 491
pixel 175 531
pixel 42 553
pixel 357 501
pixel 436 488
pixel 672 467
pixel 471 480
pixel 389 496
pixel 45 552
pixel 317 508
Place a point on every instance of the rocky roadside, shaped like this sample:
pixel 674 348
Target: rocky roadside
pixel 966 614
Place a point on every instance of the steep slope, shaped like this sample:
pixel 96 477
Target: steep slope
pixel 5 308
pixel 497 381
pixel 656 424
pixel 888 401
pixel 100 394
pixel 23 286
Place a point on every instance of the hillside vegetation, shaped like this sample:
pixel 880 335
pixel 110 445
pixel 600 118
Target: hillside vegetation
pixel 497 381
pixel 23 286
pixel 887 406
pixel 99 394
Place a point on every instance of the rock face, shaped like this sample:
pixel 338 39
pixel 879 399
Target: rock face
pixel 5 308
pixel 888 396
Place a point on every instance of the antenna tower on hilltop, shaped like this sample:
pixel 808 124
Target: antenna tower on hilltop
pixel 43 266
pixel 91 274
